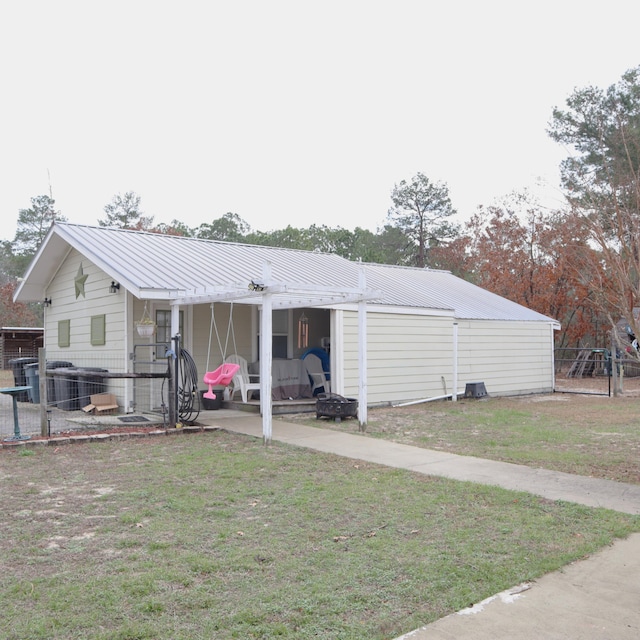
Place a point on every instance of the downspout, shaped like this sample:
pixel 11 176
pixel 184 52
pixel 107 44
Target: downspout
pixel 454 395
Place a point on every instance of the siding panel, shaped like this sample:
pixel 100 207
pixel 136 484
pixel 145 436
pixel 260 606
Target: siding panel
pixel 411 357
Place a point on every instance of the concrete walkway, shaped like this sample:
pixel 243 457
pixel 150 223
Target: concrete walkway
pixel 594 599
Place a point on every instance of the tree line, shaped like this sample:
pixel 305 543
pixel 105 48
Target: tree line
pixel 579 264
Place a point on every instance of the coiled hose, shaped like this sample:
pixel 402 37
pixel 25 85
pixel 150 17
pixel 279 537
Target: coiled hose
pixel 187 385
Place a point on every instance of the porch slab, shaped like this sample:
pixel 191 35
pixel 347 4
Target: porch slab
pixel 278 407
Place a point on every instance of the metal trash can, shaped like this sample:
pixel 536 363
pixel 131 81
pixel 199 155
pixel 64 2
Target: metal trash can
pixel 89 385
pixel 32 376
pixel 19 377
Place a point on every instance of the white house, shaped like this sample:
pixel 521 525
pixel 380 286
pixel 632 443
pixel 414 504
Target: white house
pixel 394 334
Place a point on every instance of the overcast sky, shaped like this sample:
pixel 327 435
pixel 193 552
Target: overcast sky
pixel 291 112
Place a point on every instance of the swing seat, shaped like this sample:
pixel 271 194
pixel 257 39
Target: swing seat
pixel 221 377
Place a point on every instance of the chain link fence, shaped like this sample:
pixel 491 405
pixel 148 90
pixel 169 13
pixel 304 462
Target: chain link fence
pixel 66 399
pixel 590 370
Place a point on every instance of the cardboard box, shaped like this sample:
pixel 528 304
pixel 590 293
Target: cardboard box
pixel 101 403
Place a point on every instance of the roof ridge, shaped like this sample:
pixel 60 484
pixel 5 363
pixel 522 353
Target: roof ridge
pixel 407 267
pixel 193 239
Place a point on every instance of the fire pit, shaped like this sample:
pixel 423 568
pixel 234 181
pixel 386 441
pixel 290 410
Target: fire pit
pixel 331 405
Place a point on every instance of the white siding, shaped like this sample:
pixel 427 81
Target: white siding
pixel 224 340
pixel 409 355
pixel 96 301
pixel 509 357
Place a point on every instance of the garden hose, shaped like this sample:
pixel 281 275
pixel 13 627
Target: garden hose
pixel 187 385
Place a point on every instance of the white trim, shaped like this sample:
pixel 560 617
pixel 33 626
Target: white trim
pixel 337 352
pixel 409 311
pixel 290 332
pixel 284 295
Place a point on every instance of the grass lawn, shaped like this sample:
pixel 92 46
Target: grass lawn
pixel 585 435
pixel 214 535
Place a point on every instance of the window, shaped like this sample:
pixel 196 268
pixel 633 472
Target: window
pixel 163 325
pixel 64 333
pixel 98 330
pixel 280 334
pixel 280 322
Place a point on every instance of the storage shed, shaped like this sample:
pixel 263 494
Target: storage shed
pixel 20 342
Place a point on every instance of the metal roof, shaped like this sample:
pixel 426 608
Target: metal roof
pixel 190 270
pixel 434 289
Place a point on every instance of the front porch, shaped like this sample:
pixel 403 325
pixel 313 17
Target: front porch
pixel 278 407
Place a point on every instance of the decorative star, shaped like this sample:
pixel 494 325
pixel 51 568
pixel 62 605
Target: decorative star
pixel 80 279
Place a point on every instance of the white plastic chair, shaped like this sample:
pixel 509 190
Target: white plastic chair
pixel 314 368
pixel 243 381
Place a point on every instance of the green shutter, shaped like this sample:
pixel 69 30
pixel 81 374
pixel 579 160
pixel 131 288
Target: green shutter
pixel 64 333
pixel 98 330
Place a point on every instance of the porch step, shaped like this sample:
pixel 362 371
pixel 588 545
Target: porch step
pixel 278 407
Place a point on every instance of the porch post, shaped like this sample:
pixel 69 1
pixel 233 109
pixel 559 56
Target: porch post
pixel 362 354
pixel 175 320
pixel 266 355
pixel 177 345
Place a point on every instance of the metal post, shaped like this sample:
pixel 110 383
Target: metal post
pixel 614 367
pixel 172 385
pixel 176 378
pixel 45 421
pixel 16 426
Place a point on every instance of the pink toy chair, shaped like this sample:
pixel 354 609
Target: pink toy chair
pixel 221 377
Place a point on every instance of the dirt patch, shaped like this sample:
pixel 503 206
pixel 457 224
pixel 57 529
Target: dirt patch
pixel 99 434
pixel 598 386
pixel 103 430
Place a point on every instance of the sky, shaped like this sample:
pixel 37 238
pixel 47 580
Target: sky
pixel 292 112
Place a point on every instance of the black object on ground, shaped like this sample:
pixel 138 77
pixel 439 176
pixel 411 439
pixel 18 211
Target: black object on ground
pixel 332 405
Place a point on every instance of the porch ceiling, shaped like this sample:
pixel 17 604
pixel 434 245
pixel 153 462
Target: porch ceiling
pixel 283 296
